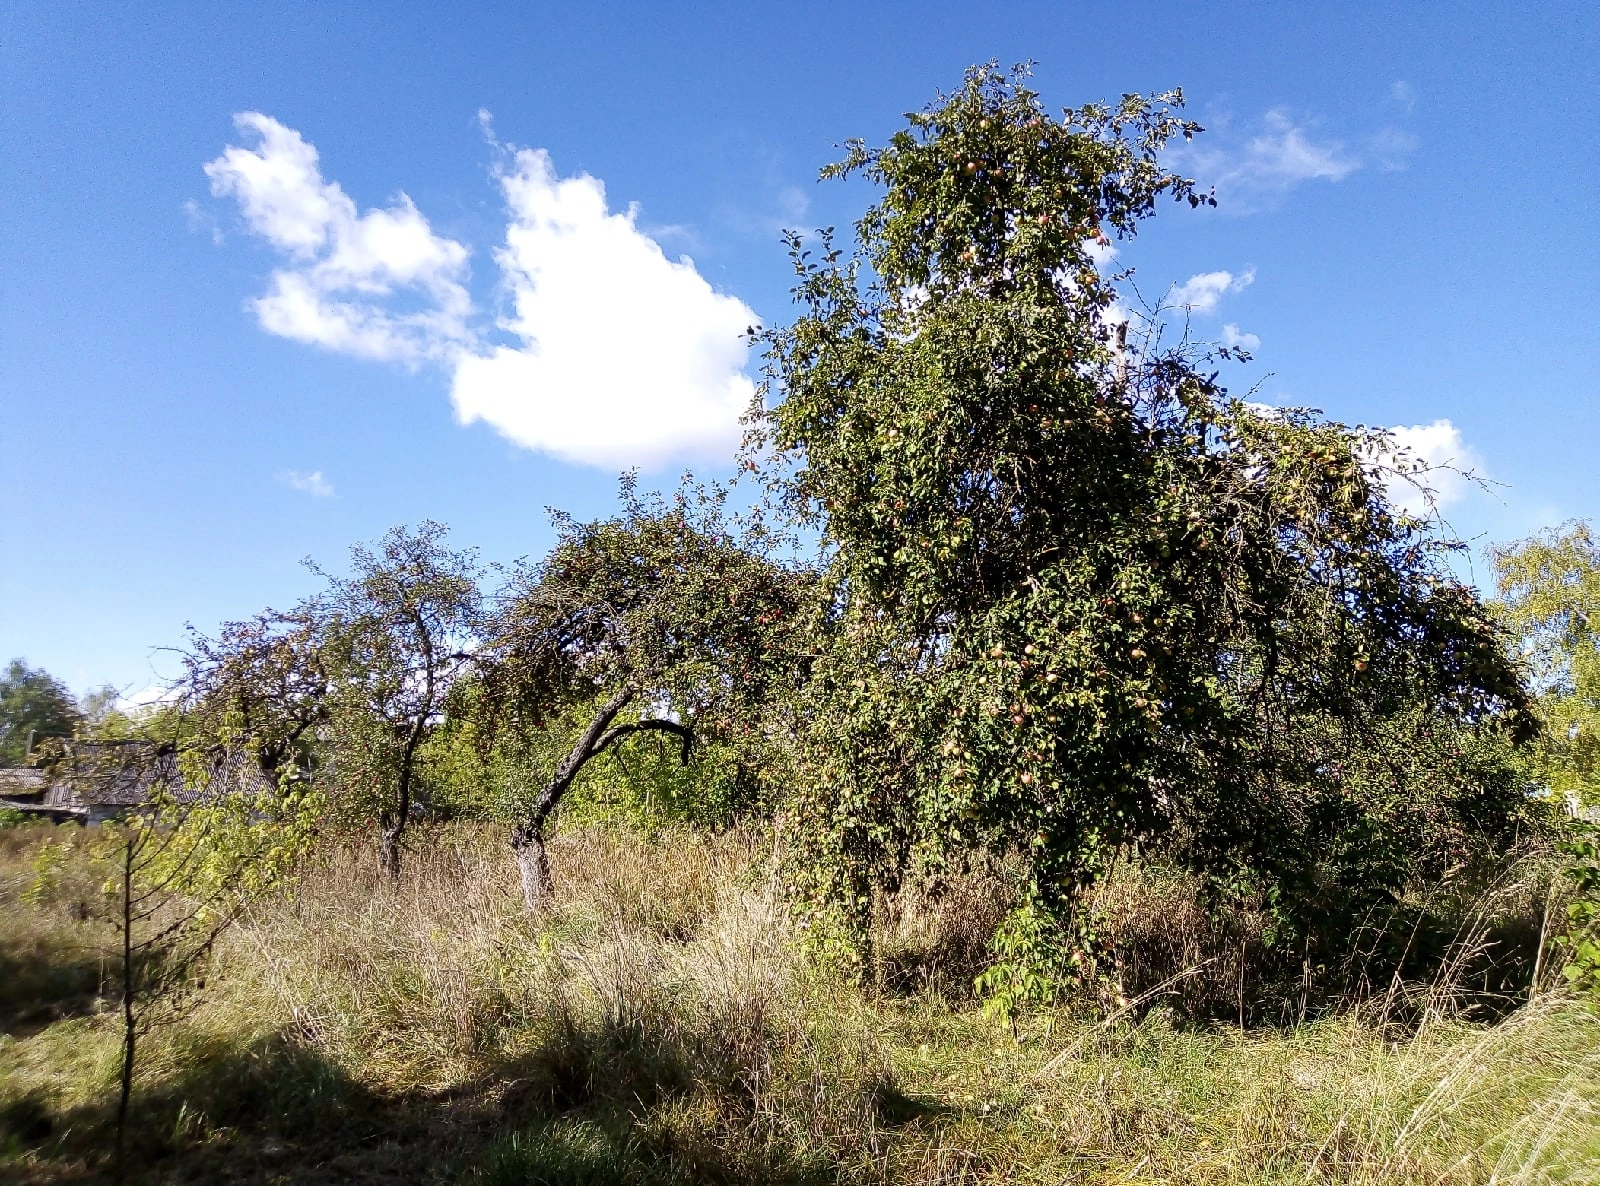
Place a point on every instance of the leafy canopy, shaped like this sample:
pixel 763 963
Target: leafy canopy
pixel 32 703
pixel 1081 599
pixel 1550 595
pixel 259 686
pixel 393 639
pixel 664 607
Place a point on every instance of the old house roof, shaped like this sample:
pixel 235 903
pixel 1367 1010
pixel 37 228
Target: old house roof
pixel 110 777
pixel 22 783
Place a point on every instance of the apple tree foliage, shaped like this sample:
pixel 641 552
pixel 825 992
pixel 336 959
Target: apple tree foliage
pixel 663 621
pixel 259 686
pixel 393 640
pixel 1082 601
pixel 341 694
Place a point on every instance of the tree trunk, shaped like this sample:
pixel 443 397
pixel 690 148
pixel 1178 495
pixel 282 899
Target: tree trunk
pixel 394 825
pixel 527 838
pixel 389 848
pixel 533 863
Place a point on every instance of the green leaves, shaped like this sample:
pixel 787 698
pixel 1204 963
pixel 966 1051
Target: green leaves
pixel 985 189
pixel 1080 600
pixel 1550 597
pixel 1582 939
pixel 666 603
pixel 34 705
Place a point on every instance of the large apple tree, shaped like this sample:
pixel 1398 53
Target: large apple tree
pixel 1082 601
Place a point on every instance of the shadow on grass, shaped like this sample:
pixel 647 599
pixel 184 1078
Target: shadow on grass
pixel 231 1116
pixel 897 1110
pixel 587 1112
pixel 609 1150
pixel 45 980
pixel 564 1152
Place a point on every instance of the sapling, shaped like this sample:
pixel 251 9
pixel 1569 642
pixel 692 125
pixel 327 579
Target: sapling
pixel 209 836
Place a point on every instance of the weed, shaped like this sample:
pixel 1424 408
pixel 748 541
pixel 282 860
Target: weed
pixel 659 1025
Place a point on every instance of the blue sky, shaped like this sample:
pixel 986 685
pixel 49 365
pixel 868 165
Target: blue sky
pixel 276 277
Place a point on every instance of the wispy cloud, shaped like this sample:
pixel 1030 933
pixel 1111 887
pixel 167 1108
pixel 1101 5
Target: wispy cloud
pixel 1391 148
pixel 1254 170
pixel 313 483
pixel 1202 292
pixel 611 353
pixel 770 205
pixel 202 220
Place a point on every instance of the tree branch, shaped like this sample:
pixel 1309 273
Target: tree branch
pixel 585 749
pixel 680 731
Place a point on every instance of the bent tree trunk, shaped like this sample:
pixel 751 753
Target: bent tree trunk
pixel 533 863
pixel 528 837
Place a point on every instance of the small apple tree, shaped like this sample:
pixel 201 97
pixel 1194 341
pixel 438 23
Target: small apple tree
pixel 393 639
pixel 660 620
pixel 259 686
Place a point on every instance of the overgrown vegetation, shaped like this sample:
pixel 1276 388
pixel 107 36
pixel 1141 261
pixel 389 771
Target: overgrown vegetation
pixel 1124 789
pixel 659 1022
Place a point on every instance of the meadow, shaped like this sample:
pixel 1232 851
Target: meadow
pixel 661 1023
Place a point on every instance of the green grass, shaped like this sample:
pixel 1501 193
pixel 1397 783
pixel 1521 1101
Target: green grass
pixel 659 1026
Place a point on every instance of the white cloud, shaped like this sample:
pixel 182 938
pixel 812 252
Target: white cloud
pixel 1441 460
pixel 779 206
pixel 1234 338
pixel 622 355
pixel 1267 164
pixel 793 205
pixel 150 696
pixel 344 269
pixel 1202 292
pixel 313 483
pixel 1102 254
pixel 617 356
pixel 201 219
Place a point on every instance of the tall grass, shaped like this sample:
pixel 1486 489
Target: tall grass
pixel 660 1024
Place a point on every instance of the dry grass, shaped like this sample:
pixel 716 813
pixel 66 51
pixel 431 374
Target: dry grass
pixel 51 965
pixel 659 1025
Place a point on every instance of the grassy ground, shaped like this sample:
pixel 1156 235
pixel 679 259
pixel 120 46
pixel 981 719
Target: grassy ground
pixel 657 1026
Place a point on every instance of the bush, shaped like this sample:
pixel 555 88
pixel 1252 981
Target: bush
pixel 1581 943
